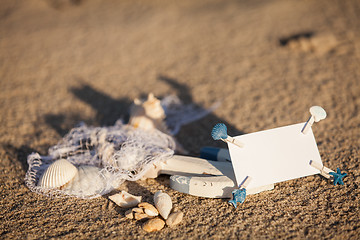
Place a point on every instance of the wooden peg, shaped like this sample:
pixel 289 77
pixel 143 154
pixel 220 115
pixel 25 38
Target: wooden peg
pixel 324 171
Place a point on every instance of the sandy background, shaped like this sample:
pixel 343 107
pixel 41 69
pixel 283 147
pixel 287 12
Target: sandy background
pixel 62 62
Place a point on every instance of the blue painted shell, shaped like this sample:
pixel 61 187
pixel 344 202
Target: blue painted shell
pixel 219 131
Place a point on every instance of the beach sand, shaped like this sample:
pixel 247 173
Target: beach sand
pixel 63 62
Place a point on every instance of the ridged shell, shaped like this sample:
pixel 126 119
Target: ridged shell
pixel 163 203
pixel 58 174
pixel 125 199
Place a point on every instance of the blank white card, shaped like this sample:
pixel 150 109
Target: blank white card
pixel 274 155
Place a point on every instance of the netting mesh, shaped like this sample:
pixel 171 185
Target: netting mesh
pixel 179 114
pixel 107 156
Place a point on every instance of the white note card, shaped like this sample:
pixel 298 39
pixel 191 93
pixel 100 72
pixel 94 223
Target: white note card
pixel 274 155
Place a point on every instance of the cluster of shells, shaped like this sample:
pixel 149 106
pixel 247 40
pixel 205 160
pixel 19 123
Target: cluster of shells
pixel 149 115
pixel 156 216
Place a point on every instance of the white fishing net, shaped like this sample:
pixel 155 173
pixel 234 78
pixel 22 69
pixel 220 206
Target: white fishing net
pixel 107 156
pixel 179 114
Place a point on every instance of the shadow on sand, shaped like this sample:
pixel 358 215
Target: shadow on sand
pixel 192 136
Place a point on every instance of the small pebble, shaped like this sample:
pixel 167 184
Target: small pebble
pixel 129 214
pixel 154 224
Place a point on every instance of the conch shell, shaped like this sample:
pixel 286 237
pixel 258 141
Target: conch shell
pixel 58 174
pixel 125 199
pixel 163 203
pixel 148 115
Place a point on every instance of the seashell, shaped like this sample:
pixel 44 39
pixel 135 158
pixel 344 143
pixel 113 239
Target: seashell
pixel 89 181
pixel 149 209
pixel 125 200
pixel 153 107
pixel 153 225
pixel 174 219
pixel 58 174
pixel 138 210
pixel 142 122
pixel 129 214
pixel 140 216
pixel 148 115
pixel 163 203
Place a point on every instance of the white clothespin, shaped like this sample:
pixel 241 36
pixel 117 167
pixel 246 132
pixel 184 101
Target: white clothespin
pixel 337 176
pixel 324 171
pixel 317 114
pixel 219 132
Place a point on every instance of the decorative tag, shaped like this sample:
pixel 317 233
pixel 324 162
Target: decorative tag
pixel 274 155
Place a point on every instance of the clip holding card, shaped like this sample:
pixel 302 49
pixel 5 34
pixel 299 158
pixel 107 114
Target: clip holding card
pixel 324 171
pixel 317 114
pixel 239 195
pixel 219 132
pixel 328 173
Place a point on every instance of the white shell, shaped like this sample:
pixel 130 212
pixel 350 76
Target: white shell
pixel 163 203
pixel 148 115
pixel 149 209
pixel 174 219
pixel 58 174
pixel 125 199
pixel 89 181
pixel 318 113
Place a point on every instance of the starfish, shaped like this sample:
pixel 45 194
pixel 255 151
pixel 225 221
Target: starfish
pixel 338 176
pixel 239 195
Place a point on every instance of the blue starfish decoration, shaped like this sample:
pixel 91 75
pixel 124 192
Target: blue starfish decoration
pixel 338 176
pixel 239 195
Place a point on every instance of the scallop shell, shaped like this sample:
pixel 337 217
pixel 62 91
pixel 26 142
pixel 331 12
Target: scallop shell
pixel 125 199
pixel 163 203
pixel 58 174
